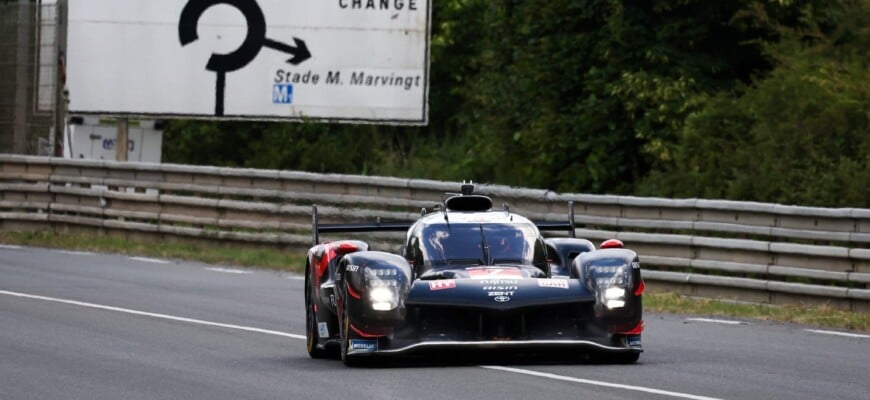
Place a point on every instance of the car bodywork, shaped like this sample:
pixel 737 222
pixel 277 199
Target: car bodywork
pixel 470 277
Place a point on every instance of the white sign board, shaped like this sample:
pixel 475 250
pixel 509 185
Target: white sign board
pixel 328 60
pixel 93 140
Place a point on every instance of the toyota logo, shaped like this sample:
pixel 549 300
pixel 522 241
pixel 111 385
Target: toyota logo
pixel 502 299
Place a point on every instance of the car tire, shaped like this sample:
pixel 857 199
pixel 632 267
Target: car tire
pixel 346 334
pixel 311 330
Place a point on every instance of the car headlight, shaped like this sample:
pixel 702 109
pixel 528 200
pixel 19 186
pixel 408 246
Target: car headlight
pixel 383 298
pixel 614 297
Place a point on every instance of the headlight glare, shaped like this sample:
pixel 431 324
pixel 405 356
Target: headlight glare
pixel 614 293
pixel 611 304
pixel 380 294
pixel 383 298
pixel 614 297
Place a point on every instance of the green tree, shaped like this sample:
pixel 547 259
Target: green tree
pixel 799 135
pixel 589 95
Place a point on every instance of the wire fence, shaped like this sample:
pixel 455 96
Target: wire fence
pixel 31 54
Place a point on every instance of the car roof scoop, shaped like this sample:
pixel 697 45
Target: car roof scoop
pixel 469 203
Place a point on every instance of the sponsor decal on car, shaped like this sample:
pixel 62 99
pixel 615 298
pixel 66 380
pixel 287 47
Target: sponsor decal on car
pixel 501 287
pixel 488 273
pixel 362 346
pixel 499 282
pixel 553 283
pixel 442 284
pixel 502 299
pixel 323 329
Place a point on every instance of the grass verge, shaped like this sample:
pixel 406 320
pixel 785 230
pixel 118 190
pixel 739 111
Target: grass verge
pixel 222 255
pixel 821 316
pixel 294 261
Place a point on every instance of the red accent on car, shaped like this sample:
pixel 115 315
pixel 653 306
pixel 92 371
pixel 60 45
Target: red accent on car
pixel 329 252
pixel 345 248
pixel 441 284
pixel 353 293
pixel 637 330
pixel 640 288
pixel 327 256
pixel 611 244
pixel 364 334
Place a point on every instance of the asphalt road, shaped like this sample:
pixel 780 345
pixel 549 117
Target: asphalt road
pixel 95 326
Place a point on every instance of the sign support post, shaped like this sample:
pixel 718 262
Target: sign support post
pixel 121 140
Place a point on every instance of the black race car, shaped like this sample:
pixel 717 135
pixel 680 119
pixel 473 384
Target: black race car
pixel 471 277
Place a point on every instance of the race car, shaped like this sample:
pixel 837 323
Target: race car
pixel 470 277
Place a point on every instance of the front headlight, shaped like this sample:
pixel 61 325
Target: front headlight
pixel 381 294
pixel 614 297
pixel 383 298
pixel 614 293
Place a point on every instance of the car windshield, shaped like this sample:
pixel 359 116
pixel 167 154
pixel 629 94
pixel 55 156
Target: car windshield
pixel 478 244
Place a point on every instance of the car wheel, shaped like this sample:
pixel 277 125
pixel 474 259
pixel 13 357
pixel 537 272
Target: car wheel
pixel 346 334
pixel 311 331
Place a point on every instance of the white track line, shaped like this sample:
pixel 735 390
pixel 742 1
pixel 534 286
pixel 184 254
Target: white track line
pixel 717 321
pixel 228 270
pixel 599 383
pixel 150 260
pixel 302 337
pixel 835 333
pixel 75 253
pixel 10 247
pixel 151 315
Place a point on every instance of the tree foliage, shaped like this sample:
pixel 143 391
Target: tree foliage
pixel 800 135
pixel 751 99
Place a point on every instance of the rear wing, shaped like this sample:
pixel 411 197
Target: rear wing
pixel 379 226
pixel 560 226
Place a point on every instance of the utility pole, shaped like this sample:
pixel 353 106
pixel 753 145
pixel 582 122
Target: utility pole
pixel 60 95
pixel 121 142
pixel 22 77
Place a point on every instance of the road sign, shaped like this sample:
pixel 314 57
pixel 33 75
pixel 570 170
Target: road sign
pixel 328 60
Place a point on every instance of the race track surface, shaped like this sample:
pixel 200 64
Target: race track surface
pixel 95 326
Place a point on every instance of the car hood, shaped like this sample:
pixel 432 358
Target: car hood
pixel 496 287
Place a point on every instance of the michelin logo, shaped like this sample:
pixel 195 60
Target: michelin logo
pixel 363 346
pixel 282 93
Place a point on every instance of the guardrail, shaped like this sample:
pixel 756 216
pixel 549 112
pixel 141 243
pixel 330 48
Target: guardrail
pixel 744 251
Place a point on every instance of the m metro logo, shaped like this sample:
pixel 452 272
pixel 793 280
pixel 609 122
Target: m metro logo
pixel 442 284
pixel 282 93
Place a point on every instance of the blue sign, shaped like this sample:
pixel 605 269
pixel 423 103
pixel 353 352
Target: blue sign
pixel 282 93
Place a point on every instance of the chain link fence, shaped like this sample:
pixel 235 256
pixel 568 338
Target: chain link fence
pixel 32 42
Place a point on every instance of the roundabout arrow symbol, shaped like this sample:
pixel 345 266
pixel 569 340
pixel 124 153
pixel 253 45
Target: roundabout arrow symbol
pixel 254 41
pixel 300 52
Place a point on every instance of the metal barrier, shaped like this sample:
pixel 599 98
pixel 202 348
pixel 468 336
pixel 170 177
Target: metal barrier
pixel 710 248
